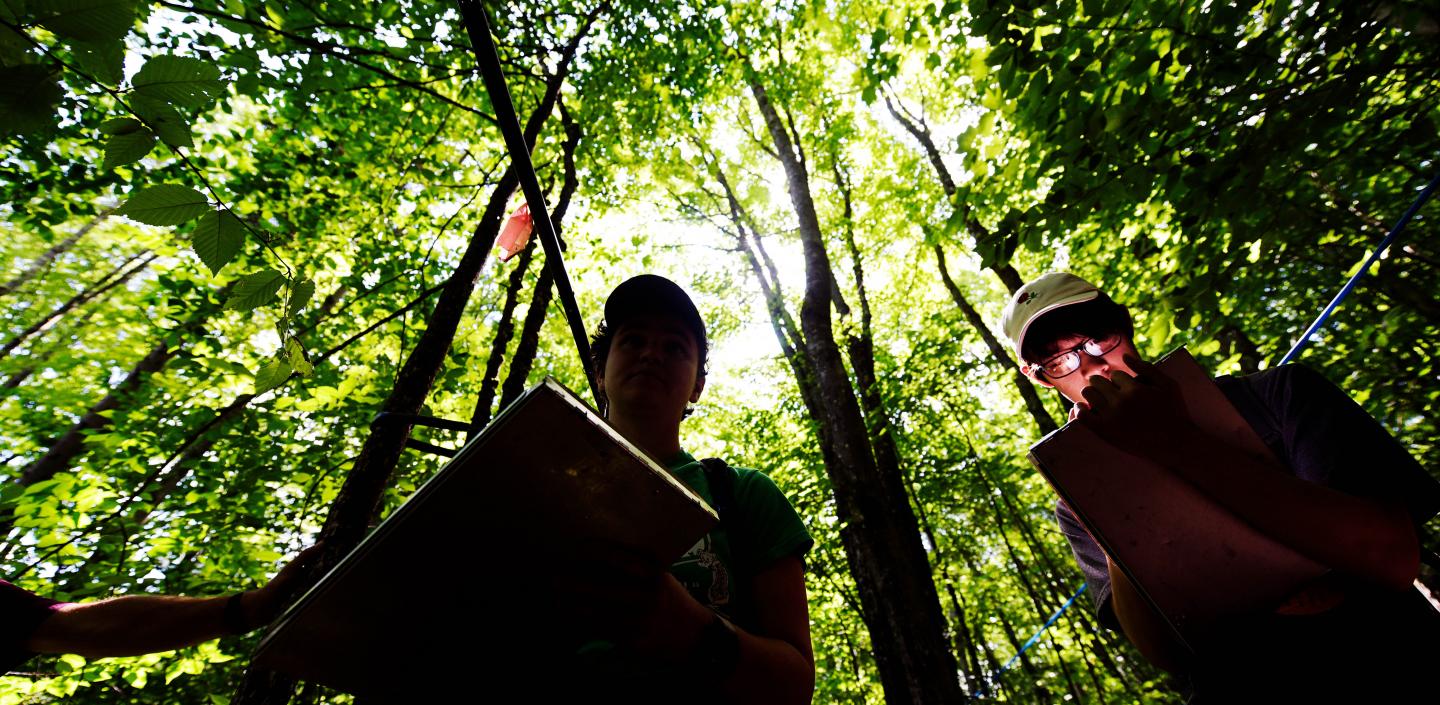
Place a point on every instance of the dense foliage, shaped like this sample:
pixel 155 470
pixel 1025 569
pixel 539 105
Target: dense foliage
pixel 227 226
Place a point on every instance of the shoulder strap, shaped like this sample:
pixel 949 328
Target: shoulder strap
pixel 721 478
pixel 722 492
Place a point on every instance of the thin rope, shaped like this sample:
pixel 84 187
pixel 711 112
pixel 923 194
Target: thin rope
pixel 1304 340
pixel 995 677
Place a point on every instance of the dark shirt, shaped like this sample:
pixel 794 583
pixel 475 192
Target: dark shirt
pixel 1322 436
pixel 21 611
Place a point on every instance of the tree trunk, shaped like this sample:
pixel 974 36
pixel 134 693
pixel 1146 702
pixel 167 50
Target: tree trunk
pixel 787 333
pixel 1235 341
pixel 861 350
pixel 993 676
pixel 518 377
pixel 917 129
pixel 364 486
pixel 36 358
pixel 881 536
pixel 504 331
pixel 1033 403
pixel 116 277
pixel 962 637
pixel 156 487
pixel 1043 608
pixel 43 261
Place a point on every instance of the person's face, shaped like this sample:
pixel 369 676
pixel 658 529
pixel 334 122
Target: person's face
pixel 1071 385
pixel 653 367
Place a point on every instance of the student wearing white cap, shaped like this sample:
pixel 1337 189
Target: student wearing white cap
pixel 1353 500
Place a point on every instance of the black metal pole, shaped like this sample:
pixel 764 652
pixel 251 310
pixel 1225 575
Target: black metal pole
pixel 478 26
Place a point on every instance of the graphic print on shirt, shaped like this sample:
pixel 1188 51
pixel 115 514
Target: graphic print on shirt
pixel 703 574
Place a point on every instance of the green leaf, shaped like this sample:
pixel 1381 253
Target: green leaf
pixel 295 354
pixel 272 375
pixel 165 120
pixel 128 147
pixel 28 96
pixel 121 126
pixel 73 662
pixel 300 295
pixel 166 204
pixel 179 80
pixel 103 61
pixel 87 20
pixel 14 50
pixel 11 10
pixel 255 290
pixel 217 239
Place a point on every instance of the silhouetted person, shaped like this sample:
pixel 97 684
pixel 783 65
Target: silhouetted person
pixel 1350 498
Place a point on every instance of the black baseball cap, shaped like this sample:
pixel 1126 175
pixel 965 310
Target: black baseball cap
pixel 652 294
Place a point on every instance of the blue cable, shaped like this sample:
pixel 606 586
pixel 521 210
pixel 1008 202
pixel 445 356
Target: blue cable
pixel 980 695
pixel 1345 291
pixel 1043 627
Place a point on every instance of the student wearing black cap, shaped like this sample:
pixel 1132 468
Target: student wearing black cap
pixel 729 621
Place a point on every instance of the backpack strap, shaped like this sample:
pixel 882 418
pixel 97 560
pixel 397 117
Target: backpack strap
pixel 721 478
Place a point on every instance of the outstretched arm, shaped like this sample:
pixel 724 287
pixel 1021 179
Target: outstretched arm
pixel 142 624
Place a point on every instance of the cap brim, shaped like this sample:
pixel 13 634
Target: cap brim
pixel 1071 300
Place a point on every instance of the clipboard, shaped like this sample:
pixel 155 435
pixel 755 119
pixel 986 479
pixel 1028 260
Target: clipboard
pixel 452 590
pixel 1192 559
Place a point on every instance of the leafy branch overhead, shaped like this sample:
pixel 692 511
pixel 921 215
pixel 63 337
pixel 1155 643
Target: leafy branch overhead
pixel 159 100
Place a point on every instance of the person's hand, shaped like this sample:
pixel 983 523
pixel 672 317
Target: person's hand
pixel 672 623
pixel 262 605
pixel 613 593
pixel 1141 414
pixel 606 588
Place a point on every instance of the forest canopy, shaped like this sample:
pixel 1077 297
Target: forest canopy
pixel 234 232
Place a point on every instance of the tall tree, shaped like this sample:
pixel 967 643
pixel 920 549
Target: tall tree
pixel 881 537
pixel 359 498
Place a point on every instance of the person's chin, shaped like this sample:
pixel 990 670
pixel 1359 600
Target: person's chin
pixel 648 395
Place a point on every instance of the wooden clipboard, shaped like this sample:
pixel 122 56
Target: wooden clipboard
pixel 1193 560
pixel 454 588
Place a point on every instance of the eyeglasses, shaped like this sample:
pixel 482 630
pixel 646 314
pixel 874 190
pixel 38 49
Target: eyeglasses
pixel 1069 361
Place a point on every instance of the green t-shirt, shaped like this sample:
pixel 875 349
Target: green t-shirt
pixel 766 530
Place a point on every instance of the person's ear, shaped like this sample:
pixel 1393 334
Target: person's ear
pixel 699 387
pixel 1035 376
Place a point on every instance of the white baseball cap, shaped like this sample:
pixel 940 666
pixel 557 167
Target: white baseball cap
pixel 1045 294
